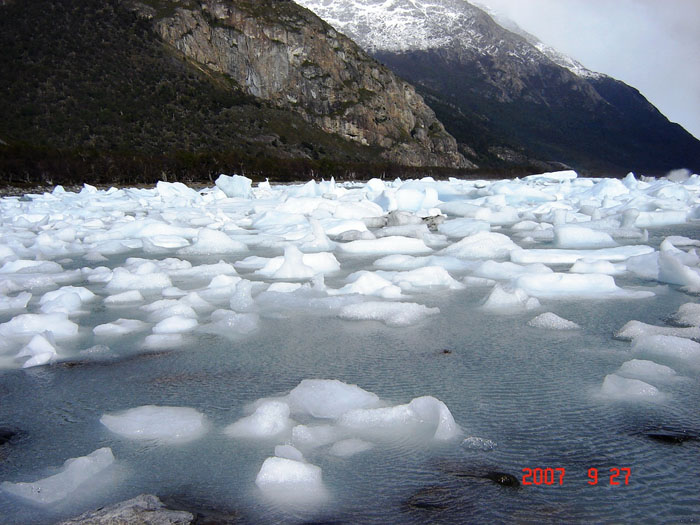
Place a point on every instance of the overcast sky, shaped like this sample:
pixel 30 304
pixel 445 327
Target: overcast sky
pixel 652 45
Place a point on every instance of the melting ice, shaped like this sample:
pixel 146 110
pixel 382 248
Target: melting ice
pixel 108 275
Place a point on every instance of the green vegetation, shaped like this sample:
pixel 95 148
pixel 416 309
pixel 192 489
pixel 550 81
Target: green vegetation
pixel 89 93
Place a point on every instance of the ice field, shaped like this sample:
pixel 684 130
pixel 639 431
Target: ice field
pixel 354 352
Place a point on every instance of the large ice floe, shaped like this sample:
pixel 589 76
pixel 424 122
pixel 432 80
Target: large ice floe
pixel 121 277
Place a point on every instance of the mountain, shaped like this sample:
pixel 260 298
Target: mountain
pixel 129 91
pixel 508 99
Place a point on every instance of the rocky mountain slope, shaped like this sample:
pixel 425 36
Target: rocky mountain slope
pixel 126 91
pixel 509 99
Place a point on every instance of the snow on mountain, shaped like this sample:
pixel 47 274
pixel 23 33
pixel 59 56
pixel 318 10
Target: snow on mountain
pixel 555 56
pixel 408 25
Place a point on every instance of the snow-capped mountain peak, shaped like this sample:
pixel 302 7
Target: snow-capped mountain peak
pixel 410 25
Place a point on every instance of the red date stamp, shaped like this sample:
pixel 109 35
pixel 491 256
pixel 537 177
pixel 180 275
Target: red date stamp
pixel 555 476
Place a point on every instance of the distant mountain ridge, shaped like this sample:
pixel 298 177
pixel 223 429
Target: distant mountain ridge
pixel 508 98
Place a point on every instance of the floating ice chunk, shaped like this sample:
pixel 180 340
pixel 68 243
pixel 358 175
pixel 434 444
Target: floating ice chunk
pixel 656 219
pixel 328 398
pixel 648 370
pixel 551 321
pixel 308 437
pixel 39 350
pixel 604 267
pixel 409 262
pixel 507 270
pixel 349 447
pixel 119 328
pixel 234 186
pixel 297 265
pixel 418 231
pixel 384 246
pixel 623 389
pixel 28 325
pixel 673 271
pixel 561 256
pixel 289 452
pixel 670 347
pixel 557 285
pixel 291 481
pixel 73 476
pixel 369 283
pixel 422 415
pixel 319 241
pixel 168 425
pixel 426 278
pixel 463 227
pixel 270 420
pixel 210 242
pixel 634 329
pixel 688 314
pixel 293 266
pixel 509 300
pixel 17 302
pixel 551 177
pixel 176 324
pixel 84 294
pixel 481 245
pixel 571 236
pixel 66 303
pixel 231 324
pixel 123 279
pixel 163 341
pixel 25 266
pixel 644 266
pixel 284 287
pixel 477 281
pixel 391 314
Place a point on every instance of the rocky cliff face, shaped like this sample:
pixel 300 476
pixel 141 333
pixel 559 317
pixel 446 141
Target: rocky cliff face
pixel 283 53
pixel 498 91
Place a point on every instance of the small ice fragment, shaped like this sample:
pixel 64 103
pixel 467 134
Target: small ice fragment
pixel 622 388
pixel 295 478
pixel 132 296
pixel 75 472
pixel 349 447
pixel 392 314
pixel 329 398
pixel 119 328
pixel 175 325
pixel 477 443
pixel 39 350
pixel 643 369
pixel 288 452
pixel 169 425
pixel 634 329
pixel 551 321
pixel 270 419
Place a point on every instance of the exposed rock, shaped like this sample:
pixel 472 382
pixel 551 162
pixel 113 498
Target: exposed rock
pixel 145 509
pixel 284 54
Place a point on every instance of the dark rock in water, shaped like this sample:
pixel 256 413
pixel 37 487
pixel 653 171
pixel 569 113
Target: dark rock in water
pixel 446 351
pixel 672 437
pixel 203 512
pixel 430 499
pixel 7 435
pixel 502 478
pixel 146 509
